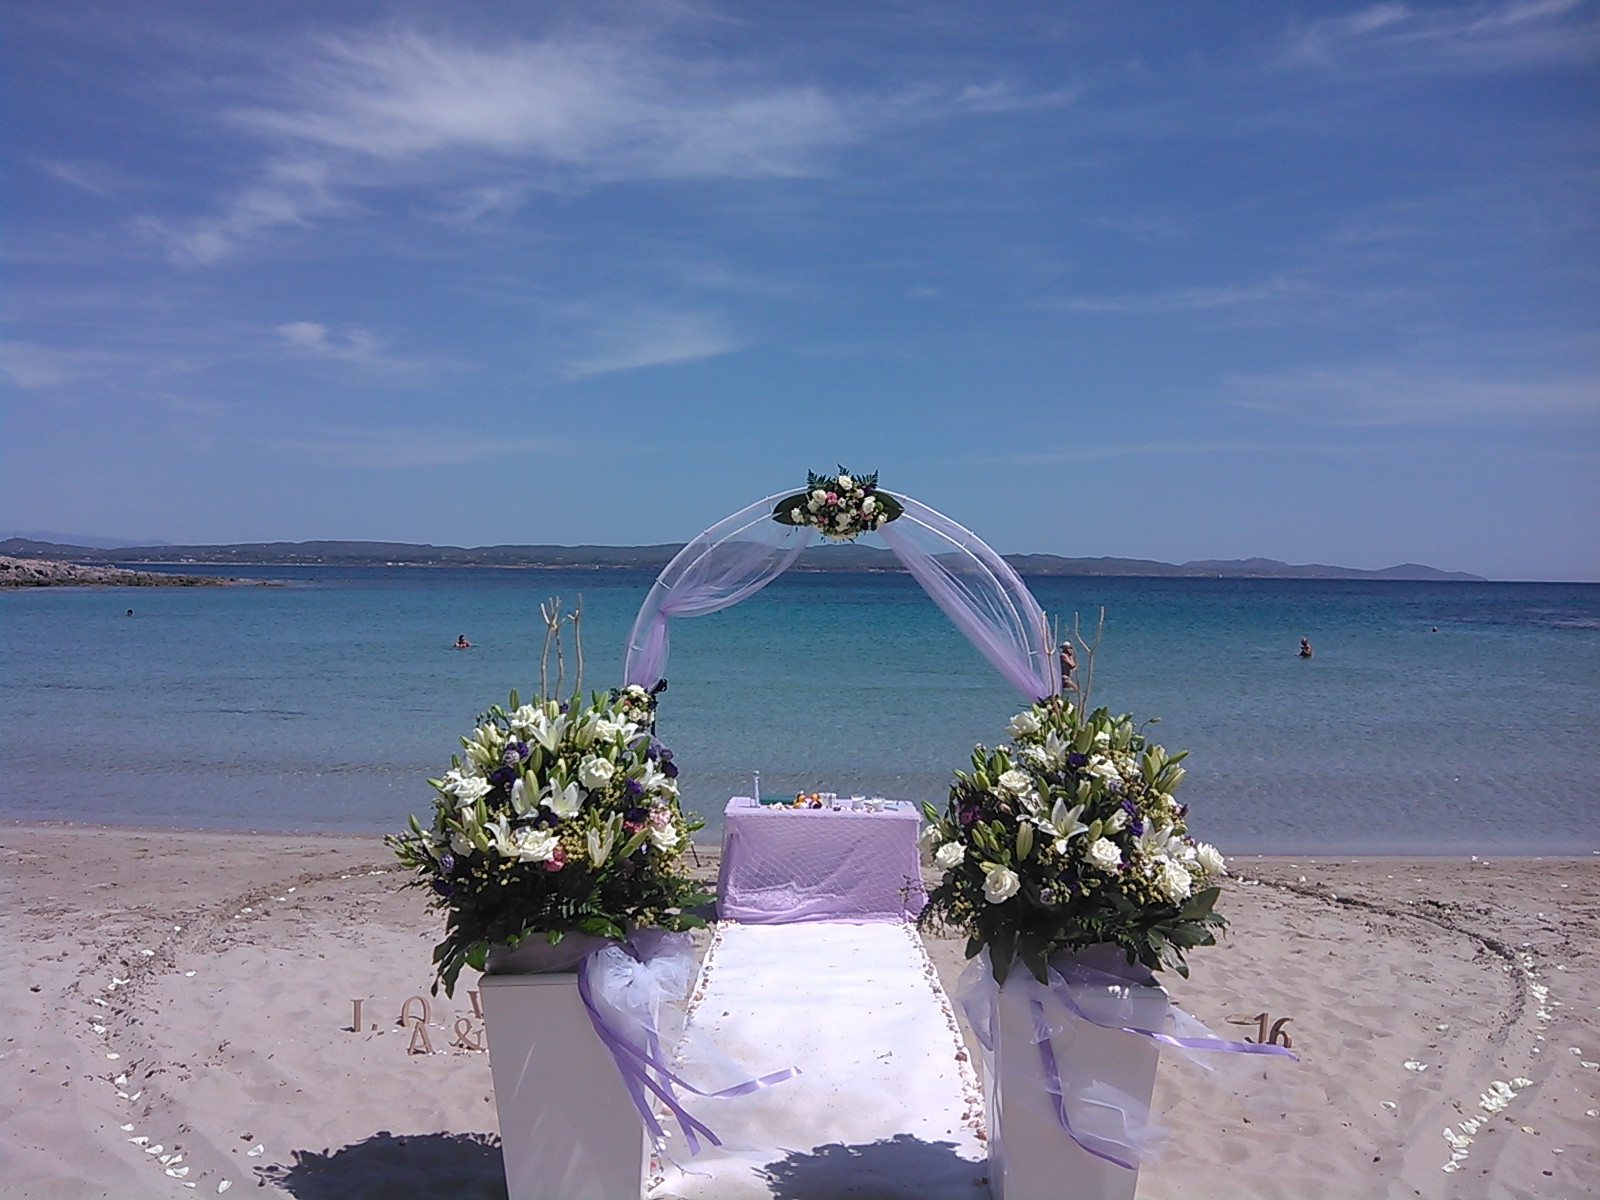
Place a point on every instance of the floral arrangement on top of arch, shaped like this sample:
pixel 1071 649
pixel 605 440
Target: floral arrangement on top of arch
pixel 841 507
pixel 1070 838
pixel 560 817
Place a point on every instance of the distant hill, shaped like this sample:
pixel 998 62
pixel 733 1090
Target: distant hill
pixel 821 558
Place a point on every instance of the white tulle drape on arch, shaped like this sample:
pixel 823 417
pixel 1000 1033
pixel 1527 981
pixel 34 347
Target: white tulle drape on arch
pixel 972 585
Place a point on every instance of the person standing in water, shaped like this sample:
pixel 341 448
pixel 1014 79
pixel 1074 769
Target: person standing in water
pixel 1305 647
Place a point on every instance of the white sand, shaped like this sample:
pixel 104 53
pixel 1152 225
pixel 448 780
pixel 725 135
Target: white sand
pixel 1377 963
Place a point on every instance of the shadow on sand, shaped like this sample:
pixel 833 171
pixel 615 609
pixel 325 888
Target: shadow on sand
pixel 427 1166
pixel 901 1168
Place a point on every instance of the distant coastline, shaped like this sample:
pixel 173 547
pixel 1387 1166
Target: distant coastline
pixel 53 572
pixel 825 558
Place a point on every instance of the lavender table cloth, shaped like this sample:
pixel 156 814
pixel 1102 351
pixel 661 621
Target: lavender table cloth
pixel 784 865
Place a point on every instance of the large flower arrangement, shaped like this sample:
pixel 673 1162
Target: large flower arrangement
pixel 558 818
pixel 1068 838
pixel 841 507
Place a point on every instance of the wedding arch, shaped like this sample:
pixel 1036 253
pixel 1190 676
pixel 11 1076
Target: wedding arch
pixel 738 556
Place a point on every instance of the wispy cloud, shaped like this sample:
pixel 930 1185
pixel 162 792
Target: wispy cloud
pixel 1185 300
pixel 1371 395
pixel 399 106
pixel 1091 452
pixel 31 366
pixel 652 338
pixel 348 344
pixel 396 449
pixel 1471 37
pixel 288 192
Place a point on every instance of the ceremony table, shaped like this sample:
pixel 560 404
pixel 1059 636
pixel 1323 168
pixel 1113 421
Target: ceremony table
pixel 817 864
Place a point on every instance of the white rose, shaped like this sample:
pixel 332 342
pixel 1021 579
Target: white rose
pixel 842 520
pixel 1174 880
pixel 531 845
pixel 595 773
pixel 820 496
pixel 797 514
pixel 1103 853
pixel 929 838
pixel 948 855
pixel 664 837
pixel 1210 859
pixel 1000 885
pixel 1023 724
pixel 1103 767
pixel 469 789
pixel 870 503
pixel 846 483
pixel 1015 781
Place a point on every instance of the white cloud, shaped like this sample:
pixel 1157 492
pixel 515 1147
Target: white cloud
pixel 492 123
pixel 1455 37
pixel 30 365
pixel 394 449
pixel 1181 300
pixel 652 338
pixel 288 192
pixel 1388 395
pixel 349 344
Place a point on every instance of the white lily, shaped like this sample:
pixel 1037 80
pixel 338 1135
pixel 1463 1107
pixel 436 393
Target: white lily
pixel 1063 824
pixel 601 841
pixel 563 801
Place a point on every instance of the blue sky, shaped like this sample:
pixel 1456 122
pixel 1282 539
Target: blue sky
pixel 1316 282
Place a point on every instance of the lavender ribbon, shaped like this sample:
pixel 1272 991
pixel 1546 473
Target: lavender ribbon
pixel 1061 990
pixel 645 1069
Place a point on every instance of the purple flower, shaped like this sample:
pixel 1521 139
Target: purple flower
pixel 503 776
pixel 669 768
pixel 514 753
pixel 447 862
pixel 636 816
pixel 968 814
pixel 1077 760
pixel 634 787
pixel 442 886
pixel 1136 826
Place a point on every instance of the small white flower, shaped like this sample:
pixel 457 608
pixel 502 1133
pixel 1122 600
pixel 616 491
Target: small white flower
pixel 846 483
pixel 948 855
pixel 594 773
pixel 602 841
pixel 606 729
pixel 1103 768
pixel 1103 853
pixel 1014 781
pixel 870 503
pixel 1116 822
pixel 1023 724
pixel 1000 885
pixel 1210 859
pixel 820 496
pixel 929 838
pixel 797 514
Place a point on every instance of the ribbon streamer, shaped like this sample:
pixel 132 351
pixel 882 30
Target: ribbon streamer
pixel 630 1031
pixel 1103 999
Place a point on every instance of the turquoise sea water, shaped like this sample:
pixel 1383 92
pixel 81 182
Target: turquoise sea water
pixel 324 703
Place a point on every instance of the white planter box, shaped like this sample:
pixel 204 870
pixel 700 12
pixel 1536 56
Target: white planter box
pixel 568 1129
pixel 1030 1156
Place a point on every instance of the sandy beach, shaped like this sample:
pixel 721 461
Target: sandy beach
pixel 179 1010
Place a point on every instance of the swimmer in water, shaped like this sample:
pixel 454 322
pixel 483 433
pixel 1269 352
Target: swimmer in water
pixel 1305 647
pixel 462 643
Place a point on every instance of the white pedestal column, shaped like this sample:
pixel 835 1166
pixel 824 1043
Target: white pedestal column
pixel 568 1129
pixel 1030 1156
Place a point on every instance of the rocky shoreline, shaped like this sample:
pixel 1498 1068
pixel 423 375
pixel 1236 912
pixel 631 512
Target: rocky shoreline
pixel 26 572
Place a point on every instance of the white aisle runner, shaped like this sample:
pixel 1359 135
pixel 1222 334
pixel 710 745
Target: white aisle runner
pixel 887 1106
